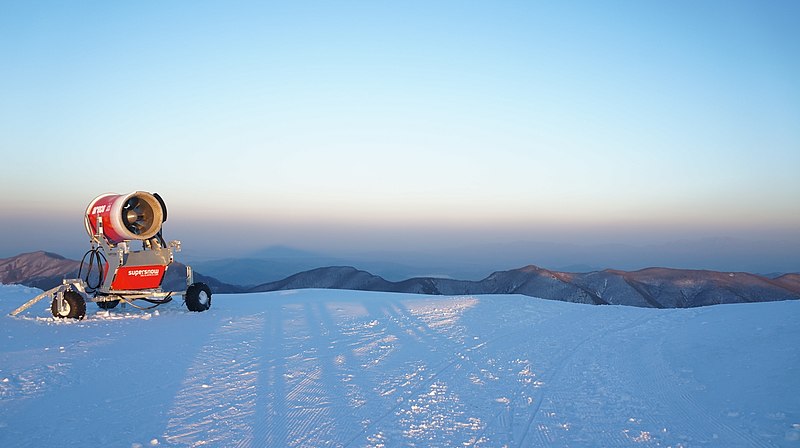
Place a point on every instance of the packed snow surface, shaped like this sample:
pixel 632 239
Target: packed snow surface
pixel 317 368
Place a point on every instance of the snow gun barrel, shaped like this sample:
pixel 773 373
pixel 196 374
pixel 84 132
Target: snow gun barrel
pixel 133 216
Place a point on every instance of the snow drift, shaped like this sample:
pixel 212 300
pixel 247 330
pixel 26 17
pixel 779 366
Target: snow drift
pixel 342 368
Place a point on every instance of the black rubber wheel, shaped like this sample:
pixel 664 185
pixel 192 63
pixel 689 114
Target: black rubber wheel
pixel 74 306
pixel 198 297
pixel 108 305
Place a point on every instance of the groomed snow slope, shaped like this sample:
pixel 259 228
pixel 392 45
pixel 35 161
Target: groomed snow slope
pixel 320 368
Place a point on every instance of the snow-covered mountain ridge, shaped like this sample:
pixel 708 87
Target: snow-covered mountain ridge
pixel 653 287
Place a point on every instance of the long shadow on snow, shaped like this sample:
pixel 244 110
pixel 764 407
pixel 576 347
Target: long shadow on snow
pixel 216 396
pixel 122 362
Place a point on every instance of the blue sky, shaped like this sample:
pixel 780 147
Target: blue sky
pixel 403 125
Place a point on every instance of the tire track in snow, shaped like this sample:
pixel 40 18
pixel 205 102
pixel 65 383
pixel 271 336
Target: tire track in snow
pixel 694 417
pixel 551 378
pixel 435 407
pixel 323 399
pixel 508 359
pixel 33 373
pixel 270 411
pixel 605 401
pixel 290 406
pixel 302 399
pixel 411 331
pixel 458 359
pixel 217 402
pixel 461 370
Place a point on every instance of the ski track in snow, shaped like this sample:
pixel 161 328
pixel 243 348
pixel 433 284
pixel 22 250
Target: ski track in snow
pixel 356 369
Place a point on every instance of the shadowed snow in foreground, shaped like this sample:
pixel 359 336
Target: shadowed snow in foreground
pixel 342 368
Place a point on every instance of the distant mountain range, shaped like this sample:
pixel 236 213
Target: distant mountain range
pixel 477 261
pixel 653 287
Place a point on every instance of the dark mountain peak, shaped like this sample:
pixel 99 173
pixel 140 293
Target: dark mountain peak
pixel 669 274
pixel 789 281
pixel 33 256
pixel 36 259
pixel 38 269
pixel 331 277
pixel 525 271
pixel 531 268
pixel 337 269
pixel 51 255
pixel 651 271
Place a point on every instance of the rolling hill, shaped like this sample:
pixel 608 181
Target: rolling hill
pixel 649 288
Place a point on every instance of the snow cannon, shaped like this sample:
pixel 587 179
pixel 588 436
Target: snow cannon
pixel 115 272
pixel 134 216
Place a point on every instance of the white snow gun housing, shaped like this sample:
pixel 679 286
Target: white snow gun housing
pixel 116 273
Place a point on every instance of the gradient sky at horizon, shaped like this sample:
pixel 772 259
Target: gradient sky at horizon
pixel 403 125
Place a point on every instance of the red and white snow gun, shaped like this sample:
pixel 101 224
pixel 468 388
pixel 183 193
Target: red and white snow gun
pixel 113 221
